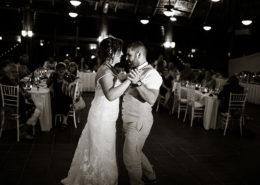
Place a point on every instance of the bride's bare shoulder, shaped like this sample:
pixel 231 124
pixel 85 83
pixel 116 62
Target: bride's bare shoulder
pixel 102 70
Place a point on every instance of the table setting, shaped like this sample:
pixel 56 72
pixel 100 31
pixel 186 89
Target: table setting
pixel 208 98
pixel 36 85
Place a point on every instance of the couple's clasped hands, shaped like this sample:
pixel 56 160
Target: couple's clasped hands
pixel 133 76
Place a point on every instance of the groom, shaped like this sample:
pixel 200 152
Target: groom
pixel 137 114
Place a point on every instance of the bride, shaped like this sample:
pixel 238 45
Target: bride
pixel 94 161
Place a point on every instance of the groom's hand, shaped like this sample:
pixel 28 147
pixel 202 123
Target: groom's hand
pixel 134 76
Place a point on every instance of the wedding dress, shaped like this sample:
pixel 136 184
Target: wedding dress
pixel 94 161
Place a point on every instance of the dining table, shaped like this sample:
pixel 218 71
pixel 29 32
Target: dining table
pixel 252 90
pixel 42 100
pixel 211 104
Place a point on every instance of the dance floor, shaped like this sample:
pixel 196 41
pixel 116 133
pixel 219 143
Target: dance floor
pixel 181 155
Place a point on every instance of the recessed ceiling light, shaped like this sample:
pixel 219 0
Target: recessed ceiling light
pixel 246 22
pixel 207 28
pixel 73 14
pixel 75 3
pixel 144 21
pixel 215 0
pixel 173 19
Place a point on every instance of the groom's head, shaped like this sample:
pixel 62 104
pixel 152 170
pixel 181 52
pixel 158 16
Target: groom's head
pixel 136 54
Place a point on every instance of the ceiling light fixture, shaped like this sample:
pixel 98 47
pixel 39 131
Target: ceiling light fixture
pixel 75 3
pixel 41 42
pixel 172 44
pixel 1 38
pixel 173 19
pixel 30 33
pixel 24 33
pixel 168 11
pixel 168 44
pixel 207 28
pixel 73 14
pixel 215 0
pixel 247 22
pixel 144 21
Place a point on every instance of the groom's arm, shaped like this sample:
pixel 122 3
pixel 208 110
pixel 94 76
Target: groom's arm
pixel 151 83
pixel 149 95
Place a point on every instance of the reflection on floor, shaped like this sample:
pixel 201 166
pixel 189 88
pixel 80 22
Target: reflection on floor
pixel 181 155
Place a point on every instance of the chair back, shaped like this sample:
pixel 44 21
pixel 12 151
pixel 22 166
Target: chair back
pixel 237 103
pixel 191 95
pixel 178 90
pixel 10 96
pixel 75 91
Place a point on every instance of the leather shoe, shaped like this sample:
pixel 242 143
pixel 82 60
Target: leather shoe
pixel 148 181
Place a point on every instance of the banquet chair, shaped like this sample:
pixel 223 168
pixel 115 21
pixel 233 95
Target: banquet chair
pixel 10 100
pixel 160 100
pixel 74 93
pixel 197 109
pixel 178 100
pixel 236 108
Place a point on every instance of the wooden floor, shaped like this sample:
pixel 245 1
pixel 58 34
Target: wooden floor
pixel 181 155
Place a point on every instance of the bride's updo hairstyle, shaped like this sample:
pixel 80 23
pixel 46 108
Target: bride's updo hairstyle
pixel 108 47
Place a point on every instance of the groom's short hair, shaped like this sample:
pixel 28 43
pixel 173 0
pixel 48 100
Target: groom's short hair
pixel 138 46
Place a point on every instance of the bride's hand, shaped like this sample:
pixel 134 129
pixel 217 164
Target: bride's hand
pixel 122 76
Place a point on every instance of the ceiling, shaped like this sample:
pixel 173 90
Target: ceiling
pixel 50 21
pixel 225 13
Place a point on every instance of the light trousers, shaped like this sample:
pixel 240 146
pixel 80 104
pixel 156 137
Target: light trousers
pixel 135 160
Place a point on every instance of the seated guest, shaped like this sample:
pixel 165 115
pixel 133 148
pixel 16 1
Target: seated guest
pixel 218 75
pixel 60 100
pixel 166 88
pixel 72 74
pixel 50 64
pixel 22 66
pixel 73 69
pixel 29 114
pixel 160 64
pixel 201 76
pixel 208 82
pixel 232 86
pixel 173 71
pixel 186 73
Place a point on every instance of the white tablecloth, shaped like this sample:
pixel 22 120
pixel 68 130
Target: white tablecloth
pixel 220 82
pixel 253 91
pixel 42 101
pixel 87 81
pixel 211 108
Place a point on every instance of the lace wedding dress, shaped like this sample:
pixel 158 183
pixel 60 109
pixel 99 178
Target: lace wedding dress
pixel 94 161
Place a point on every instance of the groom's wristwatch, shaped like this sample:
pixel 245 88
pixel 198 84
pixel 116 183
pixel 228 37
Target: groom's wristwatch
pixel 139 83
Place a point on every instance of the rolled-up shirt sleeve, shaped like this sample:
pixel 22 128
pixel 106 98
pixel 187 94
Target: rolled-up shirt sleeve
pixel 152 80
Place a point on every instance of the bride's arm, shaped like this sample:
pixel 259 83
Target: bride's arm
pixel 111 92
